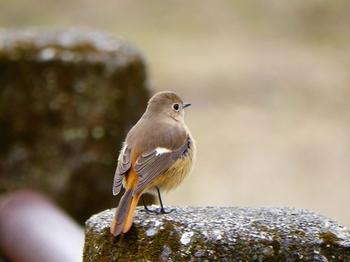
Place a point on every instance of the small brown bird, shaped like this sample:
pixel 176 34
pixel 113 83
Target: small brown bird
pixel 158 153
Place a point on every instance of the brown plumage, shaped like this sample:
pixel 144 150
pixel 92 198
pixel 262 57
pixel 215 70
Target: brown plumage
pixel 158 153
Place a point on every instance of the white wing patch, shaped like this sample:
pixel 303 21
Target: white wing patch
pixel 162 150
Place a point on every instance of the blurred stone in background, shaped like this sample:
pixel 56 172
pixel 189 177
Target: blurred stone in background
pixel 67 99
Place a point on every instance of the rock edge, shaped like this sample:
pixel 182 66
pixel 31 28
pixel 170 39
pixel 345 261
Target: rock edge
pixel 220 234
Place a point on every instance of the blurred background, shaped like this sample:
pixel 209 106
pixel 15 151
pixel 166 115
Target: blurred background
pixel 268 82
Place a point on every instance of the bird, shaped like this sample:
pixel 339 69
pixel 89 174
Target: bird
pixel 158 153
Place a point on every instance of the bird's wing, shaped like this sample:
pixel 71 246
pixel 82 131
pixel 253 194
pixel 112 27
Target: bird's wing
pixel 124 163
pixel 153 162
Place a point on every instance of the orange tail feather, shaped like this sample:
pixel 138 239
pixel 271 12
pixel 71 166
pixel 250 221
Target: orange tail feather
pixel 130 216
pixel 121 213
pixel 124 215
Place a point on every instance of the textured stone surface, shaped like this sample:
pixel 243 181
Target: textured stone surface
pixel 219 234
pixel 67 99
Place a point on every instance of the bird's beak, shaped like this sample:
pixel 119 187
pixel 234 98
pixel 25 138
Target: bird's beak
pixel 186 105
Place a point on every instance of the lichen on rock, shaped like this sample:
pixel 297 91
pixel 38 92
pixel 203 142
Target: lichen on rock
pixel 220 234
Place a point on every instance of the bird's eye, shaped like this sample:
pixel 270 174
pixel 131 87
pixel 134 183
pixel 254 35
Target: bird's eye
pixel 176 106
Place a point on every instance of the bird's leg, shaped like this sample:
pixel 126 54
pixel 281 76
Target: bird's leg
pixel 161 210
pixel 144 204
pixel 146 207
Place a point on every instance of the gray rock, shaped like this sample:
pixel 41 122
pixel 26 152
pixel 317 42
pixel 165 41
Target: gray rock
pixel 219 234
pixel 67 99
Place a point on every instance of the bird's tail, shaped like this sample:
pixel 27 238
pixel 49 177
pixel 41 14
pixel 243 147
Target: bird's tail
pixel 124 215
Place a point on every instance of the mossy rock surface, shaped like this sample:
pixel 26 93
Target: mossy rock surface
pixel 219 234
